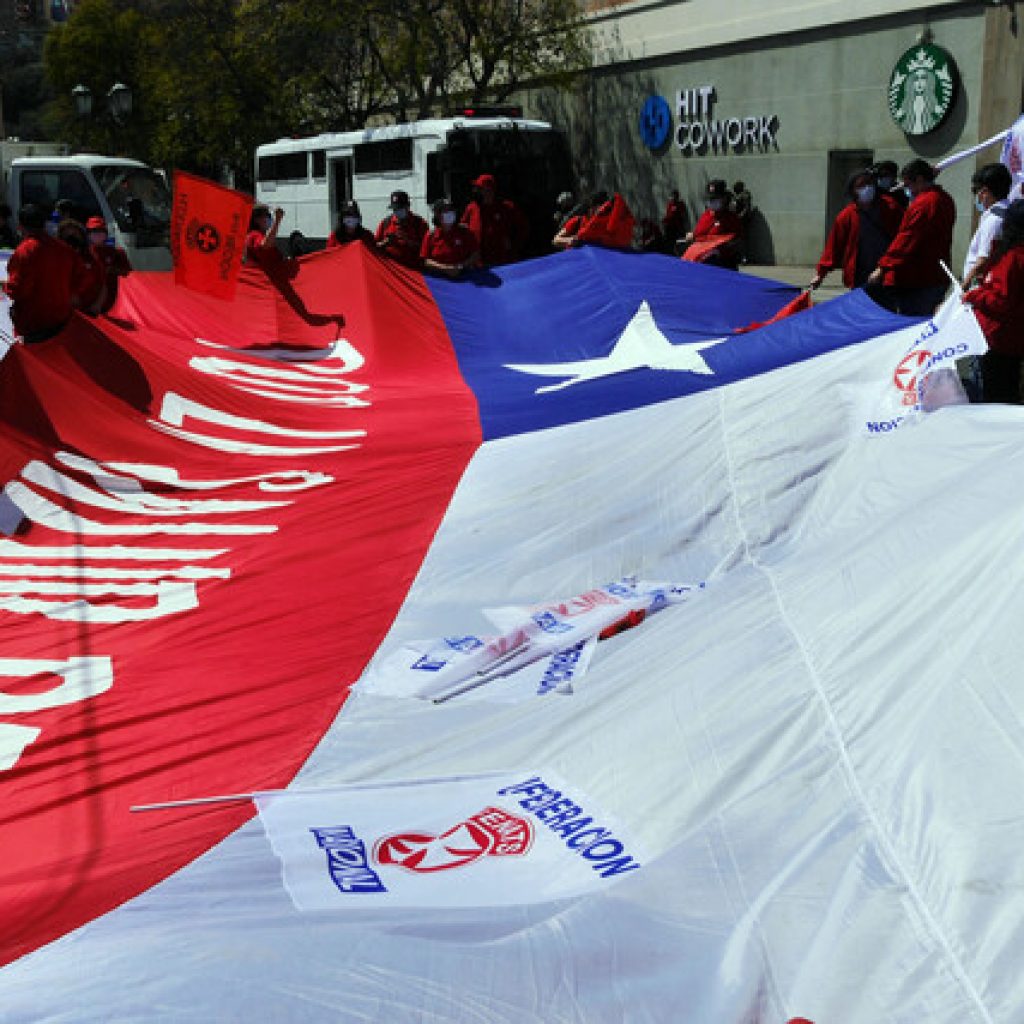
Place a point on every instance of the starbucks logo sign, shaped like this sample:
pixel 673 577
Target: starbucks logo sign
pixel 922 89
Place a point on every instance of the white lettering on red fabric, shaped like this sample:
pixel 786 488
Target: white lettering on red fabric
pixel 80 679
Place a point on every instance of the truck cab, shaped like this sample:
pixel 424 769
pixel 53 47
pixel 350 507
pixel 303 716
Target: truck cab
pixel 130 196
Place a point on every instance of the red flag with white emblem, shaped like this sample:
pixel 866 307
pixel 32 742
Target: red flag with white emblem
pixel 208 226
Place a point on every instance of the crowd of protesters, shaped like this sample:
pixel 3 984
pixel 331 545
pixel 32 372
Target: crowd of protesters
pixel 893 238
pixel 895 242
pixel 59 265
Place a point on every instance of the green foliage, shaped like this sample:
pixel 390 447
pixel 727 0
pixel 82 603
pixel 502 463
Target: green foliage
pixel 214 78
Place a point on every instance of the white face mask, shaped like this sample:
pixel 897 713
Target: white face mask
pixel 715 204
pixel 886 183
pixel 448 218
pixel 979 205
pixel 865 194
pixel 51 228
pixel 401 212
pixel 351 222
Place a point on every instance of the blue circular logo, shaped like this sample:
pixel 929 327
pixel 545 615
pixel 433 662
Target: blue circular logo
pixel 655 122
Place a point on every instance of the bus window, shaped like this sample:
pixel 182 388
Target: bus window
pixel 140 201
pixel 380 157
pixel 283 167
pixel 319 163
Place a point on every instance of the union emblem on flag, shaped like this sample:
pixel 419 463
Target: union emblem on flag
pixel 208 225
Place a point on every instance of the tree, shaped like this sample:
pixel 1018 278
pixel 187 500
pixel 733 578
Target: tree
pixel 98 47
pixel 214 78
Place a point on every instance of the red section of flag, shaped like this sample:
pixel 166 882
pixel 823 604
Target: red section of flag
pixel 208 227
pixel 612 225
pixel 797 305
pixel 224 534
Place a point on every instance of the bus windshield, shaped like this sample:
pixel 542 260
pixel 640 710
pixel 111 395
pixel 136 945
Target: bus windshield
pixel 140 201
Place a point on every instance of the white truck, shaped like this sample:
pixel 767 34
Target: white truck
pixel 130 196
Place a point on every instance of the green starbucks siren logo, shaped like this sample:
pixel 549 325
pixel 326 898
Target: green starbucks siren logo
pixel 922 89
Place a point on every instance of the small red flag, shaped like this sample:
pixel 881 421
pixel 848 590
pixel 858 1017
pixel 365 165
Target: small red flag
pixel 208 227
pixel 698 252
pixel 797 305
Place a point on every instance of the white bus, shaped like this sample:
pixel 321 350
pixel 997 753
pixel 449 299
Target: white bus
pixel 311 178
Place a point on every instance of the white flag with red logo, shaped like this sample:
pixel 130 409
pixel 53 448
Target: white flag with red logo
pixel 477 841
pixel 925 376
pixel 1013 156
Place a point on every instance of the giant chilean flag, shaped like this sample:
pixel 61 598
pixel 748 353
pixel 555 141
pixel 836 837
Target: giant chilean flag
pixel 232 509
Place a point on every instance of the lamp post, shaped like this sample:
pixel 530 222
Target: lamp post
pixel 119 104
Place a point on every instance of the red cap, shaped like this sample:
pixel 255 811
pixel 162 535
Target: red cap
pixel 485 181
pixel 95 224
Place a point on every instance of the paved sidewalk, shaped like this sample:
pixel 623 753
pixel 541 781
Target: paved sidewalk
pixel 799 276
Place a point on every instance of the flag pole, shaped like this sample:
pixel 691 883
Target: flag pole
pixel 964 154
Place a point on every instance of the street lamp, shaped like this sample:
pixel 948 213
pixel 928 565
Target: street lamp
pixel 118 108
pixel 82 95
pixel 119 102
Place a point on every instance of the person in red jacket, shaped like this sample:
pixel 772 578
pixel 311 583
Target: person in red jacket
pixel 567 236
pixel 673 224
pixel 909 278
pixel 998 304
pixel 350 228
pixel 112 258
pixel 401 234
pixel 860 234
pixel 91 274
pixel 451 247
pixel 716 222
pixel 43 279
pixel 497 224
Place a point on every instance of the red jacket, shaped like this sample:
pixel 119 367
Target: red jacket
pixel 44 277
pixel 925 237
pixel 716 222
pixel 999 303
pixel 499 228
pixel 843 239
pixel 449 249
pixel 403 237
pixel 115 264
pixel 335 241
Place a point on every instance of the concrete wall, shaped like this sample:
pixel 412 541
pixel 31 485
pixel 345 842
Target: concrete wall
pixel 826 84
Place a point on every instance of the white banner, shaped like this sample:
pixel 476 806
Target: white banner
pixel 476 841
pixel 542 649
pixel 1013 157
pixel 925 376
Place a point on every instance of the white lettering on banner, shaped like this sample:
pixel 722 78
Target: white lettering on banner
pixel 77 552
pixel 340 356
pixel 187 572
pixel 304 384
pixel 13 741
pixel 171 597
pixel 134 500
pixel 577 830
pixel 72 591
pixel 81 679
pixel 176 408
pixel 278 480
pixel 45 512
